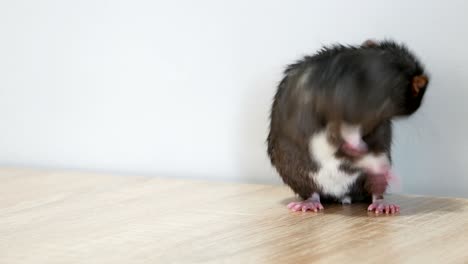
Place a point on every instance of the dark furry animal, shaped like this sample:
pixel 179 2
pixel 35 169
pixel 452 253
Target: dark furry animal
pixel 331 121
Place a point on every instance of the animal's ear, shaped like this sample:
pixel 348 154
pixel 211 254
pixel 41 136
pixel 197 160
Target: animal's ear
pixel 370 43
pixel 418 84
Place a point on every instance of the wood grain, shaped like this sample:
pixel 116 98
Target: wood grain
pixel 71 217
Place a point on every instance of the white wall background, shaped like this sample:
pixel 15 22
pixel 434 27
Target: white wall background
pixel 182 88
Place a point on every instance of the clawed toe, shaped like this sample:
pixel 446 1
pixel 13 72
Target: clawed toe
pixel 304 206
pixel 381 207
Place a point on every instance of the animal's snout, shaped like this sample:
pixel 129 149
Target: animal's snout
pixel 353 144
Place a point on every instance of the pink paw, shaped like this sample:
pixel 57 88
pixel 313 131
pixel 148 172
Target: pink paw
pixel 305 206
pixel 380 207
pixel 354 150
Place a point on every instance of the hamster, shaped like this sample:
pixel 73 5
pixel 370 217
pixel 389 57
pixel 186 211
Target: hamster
pixel 331 119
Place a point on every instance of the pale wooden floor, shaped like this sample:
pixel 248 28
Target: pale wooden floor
pixel 53 217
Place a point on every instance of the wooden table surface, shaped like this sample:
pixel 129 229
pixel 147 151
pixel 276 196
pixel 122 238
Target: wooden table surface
pixel 70 217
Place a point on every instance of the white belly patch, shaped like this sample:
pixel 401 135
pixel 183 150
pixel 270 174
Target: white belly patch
pixel 333 181
pixel 329 178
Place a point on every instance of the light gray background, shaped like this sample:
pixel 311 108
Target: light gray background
pixel 182 88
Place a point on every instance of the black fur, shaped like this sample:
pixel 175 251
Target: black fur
pixel 369 84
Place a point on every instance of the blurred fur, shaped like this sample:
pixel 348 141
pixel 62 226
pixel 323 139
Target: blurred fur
pixel 368 84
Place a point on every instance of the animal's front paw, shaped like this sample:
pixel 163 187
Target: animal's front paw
pixel 307 205
pixel 380 207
